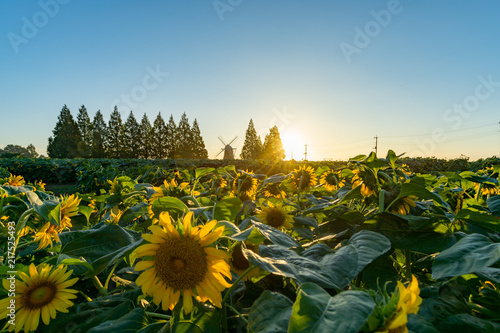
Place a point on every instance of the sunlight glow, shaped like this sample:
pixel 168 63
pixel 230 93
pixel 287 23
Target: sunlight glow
pixel 293 143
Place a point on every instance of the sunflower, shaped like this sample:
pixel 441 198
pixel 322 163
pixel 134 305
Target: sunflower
pixel 50 232
pixel 366 180
pixel 244 186
pixel 42 293
pixel 304 177
pixel 487 189
pixel 219 182
pixel 403 205
pixel 274 191
pixel 276 217
pixel 40 185
pixel 330 180
pixel 15 180
pixel 239 263
pixel 114 215
pixel 180 261
pixel 171 190
pixel 408 303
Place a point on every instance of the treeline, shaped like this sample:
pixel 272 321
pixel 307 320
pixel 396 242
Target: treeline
pixel 15 150
pixel 86 138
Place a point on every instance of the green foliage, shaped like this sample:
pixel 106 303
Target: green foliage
pixel 67 138
pixel 99 133
pixel 198 145
pixel 184 138
pixel 252 147
pixel 115 136
pixel 86 131
pixel 132 137
pixel 335 270
pixel 159 138
pixel 10 151
pixel 273 147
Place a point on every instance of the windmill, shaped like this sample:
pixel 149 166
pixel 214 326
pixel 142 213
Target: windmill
pixel 228 150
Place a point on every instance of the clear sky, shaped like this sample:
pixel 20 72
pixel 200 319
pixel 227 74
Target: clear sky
pixel 422 76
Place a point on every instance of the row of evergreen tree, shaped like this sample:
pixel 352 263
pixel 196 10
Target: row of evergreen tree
pixel 130 139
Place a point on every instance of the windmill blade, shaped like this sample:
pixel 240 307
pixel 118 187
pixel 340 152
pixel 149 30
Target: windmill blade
pixel 221 140
pixel 236 137
pixel 222 150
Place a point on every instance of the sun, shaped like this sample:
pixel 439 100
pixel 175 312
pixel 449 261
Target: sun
pixel 293 143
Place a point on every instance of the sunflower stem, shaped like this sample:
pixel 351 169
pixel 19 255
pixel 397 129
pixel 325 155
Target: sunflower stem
pixel 237 312
pixel 298 192
pixel 408 264
pixel 20 225
pixel 158 315
pixel 99 286
pixel 230 290
pixel 106 284
pixel 478 194
pixel 85 296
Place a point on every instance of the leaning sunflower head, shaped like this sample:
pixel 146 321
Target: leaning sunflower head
pixel 244 185
pixel 41 293
pixel 172 189
pixel 331 180
pixel 181 261
pixel 49 232
pixel 276 216
pixel 239 262
pixel 367 182
pixel 15 180
pixel 304 178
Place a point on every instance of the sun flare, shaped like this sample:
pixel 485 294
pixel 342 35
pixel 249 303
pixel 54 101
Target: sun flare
pixel 293 143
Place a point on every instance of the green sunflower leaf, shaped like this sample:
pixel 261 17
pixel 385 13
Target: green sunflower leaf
pixel 316 311
pixel 470 254
pixel 270 313
pixel 227 209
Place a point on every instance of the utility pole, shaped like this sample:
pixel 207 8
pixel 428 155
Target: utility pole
pixel 305 153
pixel 376 144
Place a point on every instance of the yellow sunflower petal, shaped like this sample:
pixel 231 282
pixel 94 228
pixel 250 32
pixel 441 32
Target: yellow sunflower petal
pixel 145 264
pixel 187 301
pixel 187 222
pixel 152 238
pixel 207 228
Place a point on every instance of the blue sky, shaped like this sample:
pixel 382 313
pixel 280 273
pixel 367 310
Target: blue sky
pixel 424 77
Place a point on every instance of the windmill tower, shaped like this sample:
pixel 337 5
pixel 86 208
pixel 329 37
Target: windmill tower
pixel 228 150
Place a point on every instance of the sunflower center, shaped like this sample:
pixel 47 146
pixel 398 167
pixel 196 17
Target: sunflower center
pixel 238 259
pixel 181 263
pixel 275 218
pixel 246 184
pixel 39 295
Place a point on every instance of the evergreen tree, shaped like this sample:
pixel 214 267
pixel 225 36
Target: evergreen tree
pixel 145 137
pixel 172 138
pixel 159 138
pixel 85 127
pixel 115 136
pixel 273 147
pixel 185 148
pixel 252 148
pixel 132 143
pixel 198 145
pixel 99 133
pixel 66 139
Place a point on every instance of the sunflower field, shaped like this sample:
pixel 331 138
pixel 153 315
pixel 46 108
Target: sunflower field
pixel 370 246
